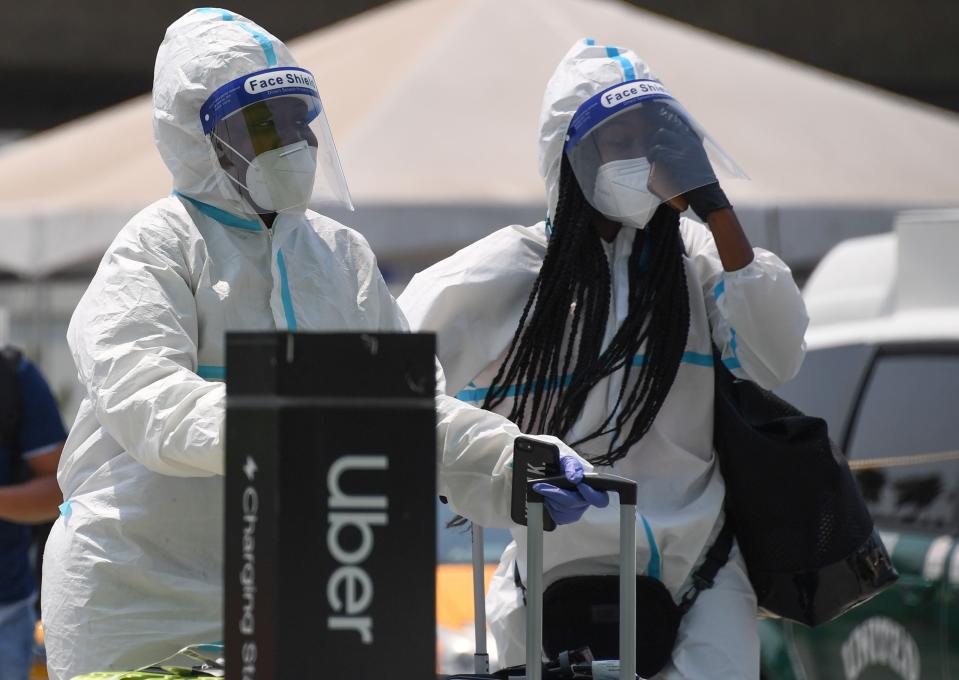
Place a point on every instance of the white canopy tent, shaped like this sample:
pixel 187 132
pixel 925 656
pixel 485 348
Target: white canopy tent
pixel 434 105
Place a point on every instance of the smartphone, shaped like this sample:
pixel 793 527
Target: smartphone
pixel 532 459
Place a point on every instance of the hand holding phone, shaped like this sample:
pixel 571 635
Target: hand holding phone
pixel 532 459
pixel 567 505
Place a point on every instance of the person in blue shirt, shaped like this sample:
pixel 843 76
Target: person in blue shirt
pixel 31 438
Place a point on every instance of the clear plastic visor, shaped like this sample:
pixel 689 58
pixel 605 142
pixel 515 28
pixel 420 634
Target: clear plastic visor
pixel 642 153
pixel 280 154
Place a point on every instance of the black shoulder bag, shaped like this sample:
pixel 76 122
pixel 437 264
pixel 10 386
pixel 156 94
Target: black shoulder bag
pixel 10 403
pixel 802 525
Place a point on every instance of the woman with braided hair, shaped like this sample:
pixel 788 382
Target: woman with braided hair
pixel 598 326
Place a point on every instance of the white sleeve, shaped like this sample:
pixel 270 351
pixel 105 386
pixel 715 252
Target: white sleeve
pixel 475 460
pixel 375 303
pixel 134 340
pixel 757 314
pixel 474 299
pixel 474 447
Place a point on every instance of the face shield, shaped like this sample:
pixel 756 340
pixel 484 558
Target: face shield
pixel 271 136
pixel 633 147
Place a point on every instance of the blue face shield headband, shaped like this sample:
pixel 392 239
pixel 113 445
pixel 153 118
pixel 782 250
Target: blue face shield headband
pixel 609 103
pixel 270 134
pixel 256 87
pixel 633 146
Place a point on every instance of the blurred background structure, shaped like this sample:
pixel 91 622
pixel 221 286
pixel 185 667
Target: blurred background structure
pixel 62 60
pixel 841 118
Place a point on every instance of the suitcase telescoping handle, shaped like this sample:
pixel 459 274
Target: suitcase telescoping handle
pixel 626 489
pixel 481 655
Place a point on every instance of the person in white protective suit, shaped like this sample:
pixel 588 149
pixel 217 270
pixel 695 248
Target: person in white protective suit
pixel 597 326
pixel 133 566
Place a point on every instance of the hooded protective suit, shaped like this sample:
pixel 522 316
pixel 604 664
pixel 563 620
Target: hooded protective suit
pixel 133 567
pixel 474 300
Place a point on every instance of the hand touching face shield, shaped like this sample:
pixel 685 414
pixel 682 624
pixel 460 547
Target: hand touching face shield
pixel 633 147
pixel 678 159
pixel 565 506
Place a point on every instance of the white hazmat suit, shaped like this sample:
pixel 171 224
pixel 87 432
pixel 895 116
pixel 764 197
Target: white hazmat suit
pixel 133 567
pixel 474 300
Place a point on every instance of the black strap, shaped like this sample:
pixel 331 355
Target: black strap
pixel 705 576
pixel 518 581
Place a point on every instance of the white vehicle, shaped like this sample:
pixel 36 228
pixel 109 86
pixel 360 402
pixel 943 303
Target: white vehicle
pixel 883 369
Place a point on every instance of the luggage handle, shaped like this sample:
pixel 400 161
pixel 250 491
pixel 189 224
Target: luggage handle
pixel 626 489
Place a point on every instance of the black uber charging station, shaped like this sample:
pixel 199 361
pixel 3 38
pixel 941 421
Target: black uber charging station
pixel 330 538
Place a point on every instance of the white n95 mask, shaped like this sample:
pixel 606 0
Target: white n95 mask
pixel 620 192
pixel 282 179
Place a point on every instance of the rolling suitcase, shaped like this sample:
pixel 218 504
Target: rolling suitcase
pixel 577 663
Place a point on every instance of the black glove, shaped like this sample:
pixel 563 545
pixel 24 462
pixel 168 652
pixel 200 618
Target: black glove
pixel 707 199
pixel 678 162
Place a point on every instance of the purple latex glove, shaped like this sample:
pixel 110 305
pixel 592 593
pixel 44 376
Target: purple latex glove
pixel 565 506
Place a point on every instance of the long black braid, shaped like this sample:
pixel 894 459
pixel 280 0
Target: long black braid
pixel 556 355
